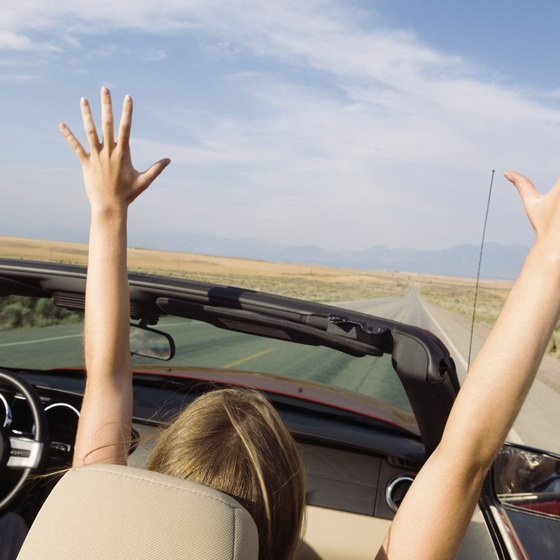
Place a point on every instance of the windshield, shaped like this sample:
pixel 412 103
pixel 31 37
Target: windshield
pixel 36 334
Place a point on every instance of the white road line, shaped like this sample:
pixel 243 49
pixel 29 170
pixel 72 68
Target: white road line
pixel 79 335
pixel 181 324
pixel 21 343
pixel 454 350
pixel 513 436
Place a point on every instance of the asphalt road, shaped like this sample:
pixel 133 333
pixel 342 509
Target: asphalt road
pixel 538 423
pixel 199 344
pixel 202 345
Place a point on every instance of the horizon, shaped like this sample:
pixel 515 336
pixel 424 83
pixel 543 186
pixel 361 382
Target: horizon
pixel 389 260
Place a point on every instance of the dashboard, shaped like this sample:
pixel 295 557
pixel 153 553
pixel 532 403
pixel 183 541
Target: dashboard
pixel 358 470
pixel 349 464
pixel 62 412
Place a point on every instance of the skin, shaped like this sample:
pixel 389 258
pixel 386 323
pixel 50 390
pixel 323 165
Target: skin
pixel 111 184
pixel 438 507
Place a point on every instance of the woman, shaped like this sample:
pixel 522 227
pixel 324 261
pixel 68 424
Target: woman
pixel 433 518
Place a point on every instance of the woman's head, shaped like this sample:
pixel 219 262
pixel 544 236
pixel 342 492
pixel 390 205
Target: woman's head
pixel 233 440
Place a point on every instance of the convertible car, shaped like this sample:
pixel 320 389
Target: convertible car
pixel 366 398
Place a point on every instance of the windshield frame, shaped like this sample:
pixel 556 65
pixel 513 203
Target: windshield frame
pixel 420 359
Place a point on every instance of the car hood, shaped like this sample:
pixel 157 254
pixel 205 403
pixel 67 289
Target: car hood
pixel 301 390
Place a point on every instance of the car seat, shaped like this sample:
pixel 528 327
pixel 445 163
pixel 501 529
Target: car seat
pixel 123 513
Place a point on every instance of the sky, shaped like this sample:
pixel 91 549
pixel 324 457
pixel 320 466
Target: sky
pixel 342 124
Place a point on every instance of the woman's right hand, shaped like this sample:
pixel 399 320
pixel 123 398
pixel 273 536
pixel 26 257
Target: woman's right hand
pixel 433 517
pixel 543 211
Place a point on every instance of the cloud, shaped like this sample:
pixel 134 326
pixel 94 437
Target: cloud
pixel 100 16
pixel 17 78
pixel 154 55
pixel 347 119
pixel 16 42
pixel 368 161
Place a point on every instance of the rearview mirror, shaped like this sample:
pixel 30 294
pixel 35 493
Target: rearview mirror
pixel 151 343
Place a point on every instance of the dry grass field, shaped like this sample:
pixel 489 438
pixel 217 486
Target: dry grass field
pixel 457 295
pixel 314 283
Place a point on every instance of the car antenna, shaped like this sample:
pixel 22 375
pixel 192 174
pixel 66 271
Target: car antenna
pixel 479 265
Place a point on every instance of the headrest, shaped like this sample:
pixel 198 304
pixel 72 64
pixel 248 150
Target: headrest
pixel 124 513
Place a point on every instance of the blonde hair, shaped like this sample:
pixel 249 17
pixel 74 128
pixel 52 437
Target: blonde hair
pixel 234 440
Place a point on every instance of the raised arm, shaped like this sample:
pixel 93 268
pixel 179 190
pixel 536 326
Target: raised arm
pixel 434 516
pixel 111 184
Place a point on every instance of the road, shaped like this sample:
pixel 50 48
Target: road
pixel 202 345
pixel 538 423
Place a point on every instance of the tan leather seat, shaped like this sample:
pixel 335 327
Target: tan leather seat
pixel 114 512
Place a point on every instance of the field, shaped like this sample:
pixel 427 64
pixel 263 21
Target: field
pixel 458 295
pixel 314 283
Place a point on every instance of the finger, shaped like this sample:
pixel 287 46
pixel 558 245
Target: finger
pixel 73 141
pixel 125 124
pixel 89 125
pixel 107 121
pixel 525 187
pixel 147 178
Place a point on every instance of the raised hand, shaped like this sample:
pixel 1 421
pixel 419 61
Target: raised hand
pixel 543 210
pixel 111 184
pixel 109 176
pixel 429 523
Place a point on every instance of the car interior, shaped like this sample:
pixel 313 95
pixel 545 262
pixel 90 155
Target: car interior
pixel 360 454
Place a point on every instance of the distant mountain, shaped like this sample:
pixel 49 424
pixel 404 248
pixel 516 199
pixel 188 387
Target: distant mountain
pixel 499 261
pixel 51 233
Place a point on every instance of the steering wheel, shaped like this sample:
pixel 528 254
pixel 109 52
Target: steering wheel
pixel 20 453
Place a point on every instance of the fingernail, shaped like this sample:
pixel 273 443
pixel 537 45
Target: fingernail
pixel 127 98
pixel 105 90
pixel 508 175
pixel 83 101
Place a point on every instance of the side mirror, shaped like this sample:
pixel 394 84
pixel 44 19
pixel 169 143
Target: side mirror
pixel 529 479
pixel 151 343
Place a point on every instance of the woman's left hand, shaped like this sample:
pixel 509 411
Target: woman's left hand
pixel 109 176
